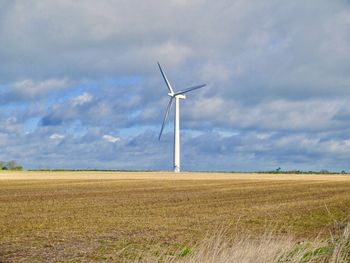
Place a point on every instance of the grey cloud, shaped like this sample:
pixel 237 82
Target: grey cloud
pixel 113 37
pixel 69 111
pixel 287 115
pixel 108 106
pixel 29 89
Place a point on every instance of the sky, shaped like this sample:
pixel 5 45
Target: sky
pixel 80 87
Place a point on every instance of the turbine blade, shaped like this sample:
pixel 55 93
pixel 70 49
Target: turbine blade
pixel 165 79
pixel 165 116
pixel 190 89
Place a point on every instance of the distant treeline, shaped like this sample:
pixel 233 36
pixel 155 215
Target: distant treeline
pixel 88 170
pixel 10 165
pixel 278 171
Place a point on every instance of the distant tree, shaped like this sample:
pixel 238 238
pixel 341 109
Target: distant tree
pixel 11 165
pixel 278 169
pixel 343 172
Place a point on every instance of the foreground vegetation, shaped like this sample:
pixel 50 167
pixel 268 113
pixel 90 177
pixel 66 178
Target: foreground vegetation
pixel 265 249
pixel 114 218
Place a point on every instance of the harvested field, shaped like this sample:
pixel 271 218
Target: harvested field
pixel 96 216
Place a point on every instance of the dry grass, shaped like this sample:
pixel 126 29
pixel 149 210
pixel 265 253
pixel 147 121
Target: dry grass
pixel 88 216
pixel 269 248
pixel 218 249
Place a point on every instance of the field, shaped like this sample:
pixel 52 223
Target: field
pixel 106 216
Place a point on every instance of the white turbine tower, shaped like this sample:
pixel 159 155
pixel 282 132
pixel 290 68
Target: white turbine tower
pixel 177 96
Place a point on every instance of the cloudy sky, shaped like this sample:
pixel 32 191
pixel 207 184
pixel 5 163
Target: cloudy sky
pixel 80 87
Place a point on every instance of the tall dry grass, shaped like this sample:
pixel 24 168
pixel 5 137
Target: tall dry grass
pixel 269 248
pixel 244 249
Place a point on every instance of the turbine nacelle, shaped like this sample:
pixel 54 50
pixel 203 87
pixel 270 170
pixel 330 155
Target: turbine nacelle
pixel 180 96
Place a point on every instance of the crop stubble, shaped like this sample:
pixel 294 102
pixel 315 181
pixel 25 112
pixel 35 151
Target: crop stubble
pixel 55 216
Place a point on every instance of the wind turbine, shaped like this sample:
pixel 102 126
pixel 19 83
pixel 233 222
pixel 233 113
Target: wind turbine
pixel 177 96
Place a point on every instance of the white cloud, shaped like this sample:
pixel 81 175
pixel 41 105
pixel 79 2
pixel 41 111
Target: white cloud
pixel 82 99
pixel 56 136
pixel 110 138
